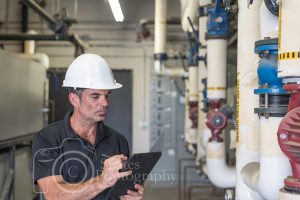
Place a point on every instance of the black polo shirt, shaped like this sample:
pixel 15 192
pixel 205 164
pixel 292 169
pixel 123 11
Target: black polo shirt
pixel 58 150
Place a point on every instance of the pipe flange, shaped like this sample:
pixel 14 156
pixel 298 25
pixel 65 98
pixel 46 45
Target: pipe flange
pixel 264 42
pixel 292 184
pixel 271 111
pixel 291 82
pixel 160 56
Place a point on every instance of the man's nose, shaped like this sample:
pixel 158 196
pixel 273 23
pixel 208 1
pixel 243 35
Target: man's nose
pixel 104 101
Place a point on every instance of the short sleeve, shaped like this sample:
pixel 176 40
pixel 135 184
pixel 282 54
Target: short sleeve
pixel 44 157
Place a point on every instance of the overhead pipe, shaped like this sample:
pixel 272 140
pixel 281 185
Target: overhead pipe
pixel 58 26
pixel 247 133
pixel 42 37
pixel 73 38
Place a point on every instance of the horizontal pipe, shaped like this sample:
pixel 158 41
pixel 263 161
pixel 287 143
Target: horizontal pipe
pixel 46 37
pixel 23 37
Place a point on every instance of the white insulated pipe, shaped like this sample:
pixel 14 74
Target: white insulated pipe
pixel 192 96
pixel 203 132
pixel 173 72
pixel 29 45
pixel 190 11
pixel 267 177
pixel 190 134
pixel 205 2
pixel 284 195
pixel 160 32
pixel 30 54
pixel 268 23
pixel 193 84
pixel 218 171
pixel 289 43
pixel 216 68
pixel 247 133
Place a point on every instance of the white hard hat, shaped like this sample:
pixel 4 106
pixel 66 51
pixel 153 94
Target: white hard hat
pixel 90 71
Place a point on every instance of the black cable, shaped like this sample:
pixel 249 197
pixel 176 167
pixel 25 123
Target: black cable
pixel 182 62
pixel 179 90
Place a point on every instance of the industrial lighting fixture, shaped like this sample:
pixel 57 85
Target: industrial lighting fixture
pixel 116 10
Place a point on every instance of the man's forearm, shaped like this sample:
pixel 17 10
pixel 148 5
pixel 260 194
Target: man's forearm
pixel 82 191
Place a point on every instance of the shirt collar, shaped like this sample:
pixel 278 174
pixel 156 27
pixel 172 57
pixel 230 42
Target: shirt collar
pixel 101 133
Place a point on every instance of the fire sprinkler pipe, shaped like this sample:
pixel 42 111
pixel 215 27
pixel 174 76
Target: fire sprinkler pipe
pixel 247 133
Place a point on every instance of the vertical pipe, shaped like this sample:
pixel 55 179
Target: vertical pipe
pixel 289 43
pixel 268 23
pixel 272 160
pixel 29 45
pixel 193 79
pixel 216 70
pixel 160 32
pixel 247 123
pixel 202 129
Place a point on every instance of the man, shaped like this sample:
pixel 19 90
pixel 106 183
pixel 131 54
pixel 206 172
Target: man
pixel 79 157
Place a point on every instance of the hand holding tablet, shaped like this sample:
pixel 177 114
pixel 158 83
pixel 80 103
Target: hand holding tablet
pixel 141 165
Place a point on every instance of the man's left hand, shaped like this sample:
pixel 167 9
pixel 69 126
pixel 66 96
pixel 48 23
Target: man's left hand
pixel 131 195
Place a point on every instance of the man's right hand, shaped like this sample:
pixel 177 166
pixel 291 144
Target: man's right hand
pixel 111 170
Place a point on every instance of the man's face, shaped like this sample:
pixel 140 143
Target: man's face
pixel 93 104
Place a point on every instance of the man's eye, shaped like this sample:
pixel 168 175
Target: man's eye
pixel 95 97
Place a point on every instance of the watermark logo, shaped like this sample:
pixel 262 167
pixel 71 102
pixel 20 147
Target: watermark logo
pixel 74 164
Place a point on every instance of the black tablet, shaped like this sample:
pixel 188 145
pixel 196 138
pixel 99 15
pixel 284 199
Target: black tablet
pixel 141 165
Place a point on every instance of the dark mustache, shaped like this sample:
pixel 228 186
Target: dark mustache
pixel 103 109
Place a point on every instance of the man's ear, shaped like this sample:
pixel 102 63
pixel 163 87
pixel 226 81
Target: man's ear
pixel 74 99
